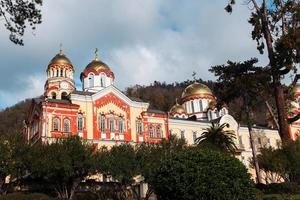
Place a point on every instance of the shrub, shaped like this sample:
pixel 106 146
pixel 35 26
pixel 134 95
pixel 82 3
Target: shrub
pixel 202 174
pixel 280 188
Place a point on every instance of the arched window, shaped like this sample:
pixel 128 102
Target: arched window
pixel 102 80
pixel 79 122
pixel 111 124
pixel 56 124
pixel 139 127
pixel 102 124
pixel 159 132
pixel 200 105
pixel 151 132
pixel 120 125
pixel 64 95
pixel 53 95
pixel 67 125
pixel 193 108
pixel 61 72
pixel 91 80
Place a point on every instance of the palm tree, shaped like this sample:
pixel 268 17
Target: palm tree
pixel 216 137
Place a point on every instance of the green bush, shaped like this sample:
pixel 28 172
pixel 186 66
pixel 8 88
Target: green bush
pixel 202 174
pixel 25 196
pixel 280 188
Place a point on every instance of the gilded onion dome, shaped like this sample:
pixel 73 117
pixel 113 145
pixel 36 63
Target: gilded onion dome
pixel 96 64
pixel 60 59
pixel 177 108
pixel 197 90
pixel 96 67
pixel 212 105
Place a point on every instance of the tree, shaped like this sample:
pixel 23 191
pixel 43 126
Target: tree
pixel 63 164
pixel 149 156
pixel 13 153
pixel 276 28
pixel 202 174
pixel 217 138
pixel 18 15
pixel 246 81
pixel 284 161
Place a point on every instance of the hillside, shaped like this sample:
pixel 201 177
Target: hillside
pixel 11 119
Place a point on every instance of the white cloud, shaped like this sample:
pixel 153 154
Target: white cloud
pixel 34 88
pixel 142 41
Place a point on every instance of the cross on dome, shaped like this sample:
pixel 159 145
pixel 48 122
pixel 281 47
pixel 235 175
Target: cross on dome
pixel 96 54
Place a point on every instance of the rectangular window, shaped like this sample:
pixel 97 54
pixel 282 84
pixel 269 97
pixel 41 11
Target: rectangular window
pixel 259 143
pixel 120 123
pixel 102 124
pixel 79 122
pixel 159 132
pixel 194 136
pixel 200 105
pixel 111 124
pixel 241 141
pixel 182 136
pixel 139 127
pixel 151 132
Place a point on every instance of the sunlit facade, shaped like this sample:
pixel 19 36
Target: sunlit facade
pixel 101 114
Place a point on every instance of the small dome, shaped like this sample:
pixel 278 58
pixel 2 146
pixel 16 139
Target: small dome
pixel 197 90
pixel 97 64
pixel 212 105
pixel 60 58
pixel 296 89
pixel 177 108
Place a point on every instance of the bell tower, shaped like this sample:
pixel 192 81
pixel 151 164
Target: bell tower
pixel 60 81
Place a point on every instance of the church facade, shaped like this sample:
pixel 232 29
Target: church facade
pixel 102 114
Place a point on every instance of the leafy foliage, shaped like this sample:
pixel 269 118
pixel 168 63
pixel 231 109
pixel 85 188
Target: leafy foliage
pixel 18 15
pixel 199 174
pixel 217 138
pixel 284 161
pixel 276 28
pixel 63 164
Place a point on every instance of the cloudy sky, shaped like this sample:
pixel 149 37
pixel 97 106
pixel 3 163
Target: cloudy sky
pixel 141 41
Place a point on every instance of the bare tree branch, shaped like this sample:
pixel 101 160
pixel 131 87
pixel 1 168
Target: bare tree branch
pixel 256 6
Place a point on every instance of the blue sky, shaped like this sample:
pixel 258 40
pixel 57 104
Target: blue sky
pixel 141 41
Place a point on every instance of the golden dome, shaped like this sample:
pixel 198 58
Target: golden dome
pixel 97 64
pixel 212 105
pixel 60 58
pixel 296 89
pixel 197 90
pixel 177 108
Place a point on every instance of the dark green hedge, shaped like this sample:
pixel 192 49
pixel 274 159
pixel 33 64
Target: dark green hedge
pixel 279 188
pixel 202 174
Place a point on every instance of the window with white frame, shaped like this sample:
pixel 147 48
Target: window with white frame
pixel 194 136
pixel 102 80
pixel 111 124
pixel 120 125
pixel 56 124
pixel 91 80
pixel 159 132
pixel 102 124
pixel 139 127
pixel 67 125
pixel 79 122
pixel 182 136
pixel 200 105
pixel 151 132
